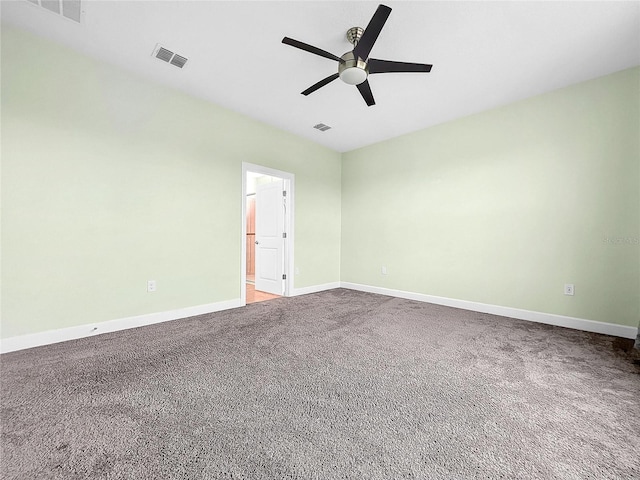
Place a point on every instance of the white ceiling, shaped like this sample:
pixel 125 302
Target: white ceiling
pixel 484 54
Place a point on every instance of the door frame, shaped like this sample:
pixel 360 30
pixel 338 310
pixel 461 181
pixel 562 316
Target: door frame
pixel 289 181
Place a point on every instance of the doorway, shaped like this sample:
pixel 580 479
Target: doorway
pixel 267 233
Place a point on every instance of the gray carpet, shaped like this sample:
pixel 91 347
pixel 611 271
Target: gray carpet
pixel 339 384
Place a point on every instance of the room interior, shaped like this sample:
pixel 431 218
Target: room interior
pixel 503 185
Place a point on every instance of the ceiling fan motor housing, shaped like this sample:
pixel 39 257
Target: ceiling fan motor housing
pixel 353 70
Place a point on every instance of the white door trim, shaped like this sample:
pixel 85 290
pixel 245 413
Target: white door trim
pixel 289 182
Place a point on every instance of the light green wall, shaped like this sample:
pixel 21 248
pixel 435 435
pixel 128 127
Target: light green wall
pixel 507 206
pixel 109 180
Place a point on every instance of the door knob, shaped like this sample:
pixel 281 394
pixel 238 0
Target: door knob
pixel 257 242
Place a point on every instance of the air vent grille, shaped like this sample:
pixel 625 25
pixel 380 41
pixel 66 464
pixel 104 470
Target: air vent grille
pixel 51 5
pixel 168 56
pixel 164 54
pixel 322 127
pixel 71 9
pixel 178 61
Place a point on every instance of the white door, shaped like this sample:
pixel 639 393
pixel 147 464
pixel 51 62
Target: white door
pixel 269 238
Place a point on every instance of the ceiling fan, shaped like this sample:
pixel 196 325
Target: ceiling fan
pixel 355 66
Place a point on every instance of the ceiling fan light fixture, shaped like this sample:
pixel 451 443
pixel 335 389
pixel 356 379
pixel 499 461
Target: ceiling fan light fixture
pixel 353 75
pixel 352 71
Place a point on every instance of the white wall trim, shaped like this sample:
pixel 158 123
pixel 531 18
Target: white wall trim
pixel 21 342
pixel 539 317
pixel 315 288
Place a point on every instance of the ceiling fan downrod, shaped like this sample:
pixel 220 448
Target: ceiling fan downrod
pixel 354 34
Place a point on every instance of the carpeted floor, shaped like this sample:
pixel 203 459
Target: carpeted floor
pixel 339 384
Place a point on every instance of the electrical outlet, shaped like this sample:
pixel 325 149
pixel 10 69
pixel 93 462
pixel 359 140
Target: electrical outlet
pixel 384 270
pixel 297 271
pixel 151 286
pixel 569 289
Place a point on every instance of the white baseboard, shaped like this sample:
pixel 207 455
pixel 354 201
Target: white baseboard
pixel 315 288
pixel 21 342
pixel 539 317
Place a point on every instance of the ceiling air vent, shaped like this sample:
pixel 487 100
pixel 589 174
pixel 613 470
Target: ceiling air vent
pixel 322 127
pixel 168 56
pixel 178 61
pixel 164 54
pixel 70 9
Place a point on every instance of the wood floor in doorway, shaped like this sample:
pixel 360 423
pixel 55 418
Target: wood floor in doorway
pixel 254 295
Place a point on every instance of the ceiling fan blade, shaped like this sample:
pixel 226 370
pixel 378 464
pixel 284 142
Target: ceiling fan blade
pixel 365 91
pixel 311 49
pixel 320 84
pixel 372 31
pixel 388 66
